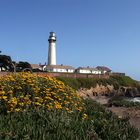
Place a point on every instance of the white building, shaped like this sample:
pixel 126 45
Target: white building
pixel 52 49
pixel 2 69
pixel 59 68
pixel 88 70
pixel 36 67
pixel 104 69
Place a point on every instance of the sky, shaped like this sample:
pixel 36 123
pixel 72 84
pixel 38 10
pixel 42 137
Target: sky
pixel 89 32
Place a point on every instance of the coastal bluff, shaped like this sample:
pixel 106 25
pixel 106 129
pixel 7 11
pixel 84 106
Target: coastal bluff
pixel 109 91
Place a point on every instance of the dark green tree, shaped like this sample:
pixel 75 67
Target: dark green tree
pixel 23 66
pixel 6 63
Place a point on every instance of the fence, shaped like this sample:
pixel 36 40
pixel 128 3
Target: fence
pixel 70 75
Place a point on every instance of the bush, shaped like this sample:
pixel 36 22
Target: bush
pixel 72 82
pixel 123 102
pixel 107 125
pixel 124 81
pixel 24 91
pixel 116 81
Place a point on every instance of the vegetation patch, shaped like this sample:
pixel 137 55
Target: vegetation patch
pixel 40 108
pixel 25 91
pixel 121 102
pixel 116 81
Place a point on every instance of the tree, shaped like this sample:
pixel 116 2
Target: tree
pixel 6 63
pixel 23 66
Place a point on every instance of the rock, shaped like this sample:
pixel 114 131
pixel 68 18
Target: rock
pixel 131 92
pixel 108 91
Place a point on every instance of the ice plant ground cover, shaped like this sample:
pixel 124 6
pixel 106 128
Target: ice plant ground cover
pixel 40 108
pixel 25 91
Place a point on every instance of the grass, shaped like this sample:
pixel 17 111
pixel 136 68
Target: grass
pixel 116 81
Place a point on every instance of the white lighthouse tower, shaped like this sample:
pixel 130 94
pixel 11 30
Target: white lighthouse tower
pixel 52 49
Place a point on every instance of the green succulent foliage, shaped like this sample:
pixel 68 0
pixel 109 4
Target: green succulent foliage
pixel 41 124
pixel 108 126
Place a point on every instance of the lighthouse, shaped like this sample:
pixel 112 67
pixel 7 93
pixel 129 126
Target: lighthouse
pixel 52 49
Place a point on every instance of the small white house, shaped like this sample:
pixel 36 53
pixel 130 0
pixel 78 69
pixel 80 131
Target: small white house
pixel 104 69
pixel 37 67
pixel 88 70
pixel 59 68
pixel 1 67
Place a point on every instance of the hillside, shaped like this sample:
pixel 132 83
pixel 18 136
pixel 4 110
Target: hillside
pixel 40 108
pixel 115 85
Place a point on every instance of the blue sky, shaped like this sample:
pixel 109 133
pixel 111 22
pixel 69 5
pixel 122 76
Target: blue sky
pixel 89 32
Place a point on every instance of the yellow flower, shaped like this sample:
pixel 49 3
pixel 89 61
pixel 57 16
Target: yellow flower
pixel 10 92
pixel 21 104
pixel 17 109
pixel 85 116
pixel 49 107
pixel 23 89
pixel 79 108
pixel 37 103
pixel 49 98
pixel 58 106
pixel 70 111
pixel 4 97
pixel 67 109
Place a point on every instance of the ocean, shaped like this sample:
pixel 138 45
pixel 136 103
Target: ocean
pixel 136 99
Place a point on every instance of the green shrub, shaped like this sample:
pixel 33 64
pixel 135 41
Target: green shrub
pixel 72 82
pixel 124 81
pixel 123 102
pixel 108 126
pixel 116 81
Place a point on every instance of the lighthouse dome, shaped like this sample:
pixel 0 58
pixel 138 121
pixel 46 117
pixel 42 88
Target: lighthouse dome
pixel 52 34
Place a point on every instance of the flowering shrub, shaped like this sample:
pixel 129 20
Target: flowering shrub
pixel 24 91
